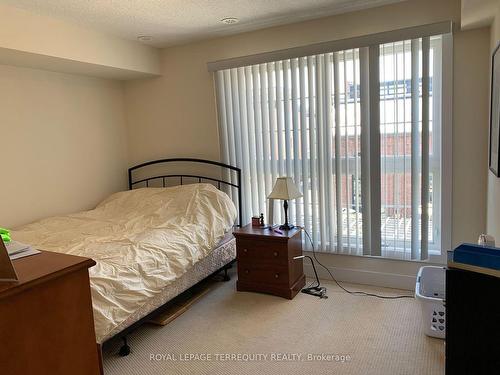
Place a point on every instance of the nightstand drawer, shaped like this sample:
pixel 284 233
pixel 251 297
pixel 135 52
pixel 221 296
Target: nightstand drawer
pixel 262 273
pixel 262 251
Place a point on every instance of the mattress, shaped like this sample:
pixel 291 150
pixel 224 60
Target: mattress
pixel 142 240
pixel 223 254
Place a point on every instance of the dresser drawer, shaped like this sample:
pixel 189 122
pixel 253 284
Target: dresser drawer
pixel 274 252
pixel 263 273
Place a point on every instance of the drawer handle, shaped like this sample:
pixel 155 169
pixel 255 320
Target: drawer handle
pixel 245 250
pixel 276 275
pixel 247 271
pixel 275 253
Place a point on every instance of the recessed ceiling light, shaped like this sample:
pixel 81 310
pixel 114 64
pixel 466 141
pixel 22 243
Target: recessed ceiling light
pixel 145 38
pixel 230 20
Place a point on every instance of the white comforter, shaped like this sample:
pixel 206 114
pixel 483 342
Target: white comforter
pixel 142 240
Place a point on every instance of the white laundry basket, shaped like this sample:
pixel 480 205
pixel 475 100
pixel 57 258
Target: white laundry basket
pixel 430 291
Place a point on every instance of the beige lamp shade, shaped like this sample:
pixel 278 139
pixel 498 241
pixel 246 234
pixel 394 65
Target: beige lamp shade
pixel 284 188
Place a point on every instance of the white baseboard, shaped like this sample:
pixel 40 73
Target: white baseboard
pixel 359 276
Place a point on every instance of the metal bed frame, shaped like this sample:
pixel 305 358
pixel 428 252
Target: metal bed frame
pixel 181 177
pixel 228 169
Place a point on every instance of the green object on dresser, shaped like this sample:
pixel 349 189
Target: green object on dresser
pixel 5 234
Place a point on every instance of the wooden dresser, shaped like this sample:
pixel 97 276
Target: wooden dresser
pixel 265 261
pixel 46 320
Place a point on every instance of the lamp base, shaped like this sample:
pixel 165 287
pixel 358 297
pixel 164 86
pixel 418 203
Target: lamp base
pixel 286 227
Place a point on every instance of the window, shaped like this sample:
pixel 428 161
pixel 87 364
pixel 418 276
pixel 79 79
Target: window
pixel 359 130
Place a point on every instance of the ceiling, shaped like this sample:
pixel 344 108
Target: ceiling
pixel 172 22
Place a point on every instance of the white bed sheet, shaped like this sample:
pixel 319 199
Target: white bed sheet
pixel 142 240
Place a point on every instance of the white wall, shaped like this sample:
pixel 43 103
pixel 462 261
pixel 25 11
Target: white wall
pixel 74 142
pixel 175 115
pixel 493 221
pixel 63 143
pixel 470 134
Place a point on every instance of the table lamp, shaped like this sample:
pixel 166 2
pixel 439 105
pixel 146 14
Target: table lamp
pixel 285 189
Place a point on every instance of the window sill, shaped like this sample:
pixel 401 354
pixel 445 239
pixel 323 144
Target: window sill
pixel 437 259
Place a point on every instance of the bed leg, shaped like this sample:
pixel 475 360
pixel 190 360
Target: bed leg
pixel 99 356
pixel 226 276
pixel 125 349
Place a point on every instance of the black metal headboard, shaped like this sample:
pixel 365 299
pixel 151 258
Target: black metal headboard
pixel 181 177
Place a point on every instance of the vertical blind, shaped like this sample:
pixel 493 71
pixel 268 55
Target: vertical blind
pixel 358 130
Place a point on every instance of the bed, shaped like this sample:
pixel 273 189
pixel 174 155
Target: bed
pixel 151 243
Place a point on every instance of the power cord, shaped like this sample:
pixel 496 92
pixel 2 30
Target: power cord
pixel 355 293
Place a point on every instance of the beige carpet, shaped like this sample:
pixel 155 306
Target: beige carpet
pixel 229 332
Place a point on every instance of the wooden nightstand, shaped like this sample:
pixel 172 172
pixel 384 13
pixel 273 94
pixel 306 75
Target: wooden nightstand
pixel 265 261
